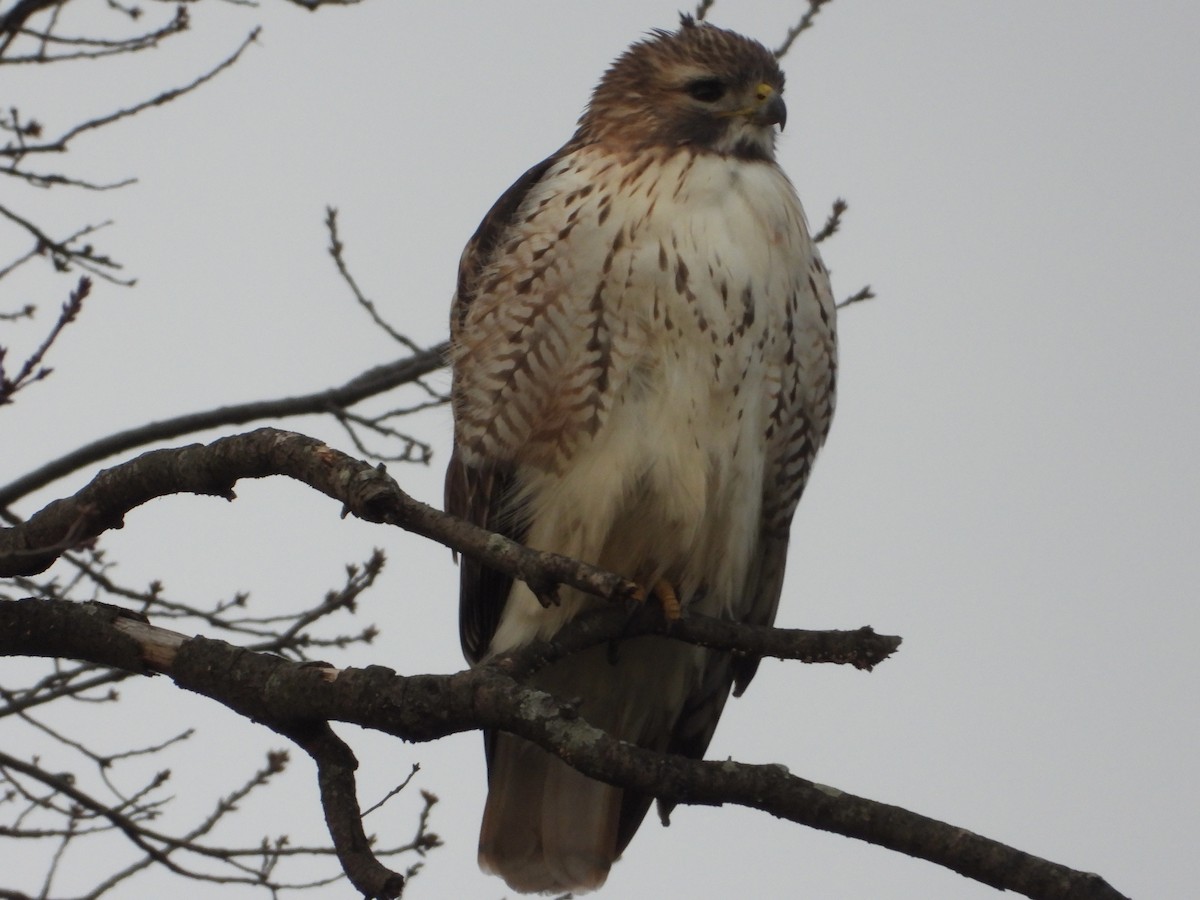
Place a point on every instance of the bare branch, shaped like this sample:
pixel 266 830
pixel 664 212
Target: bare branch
pixel 25 312
pixel 412 449
pixel 30 371
pixel 864 293
pixel 62 255
pixel 335 776
pixel 60 144
pixel 424 707
pixel 366 492
pixel 63 247
pixel 94 48
pixel 833 222
pixel 157 847
pixel 336 249
pixel 394 791
pixel 314 5
pixel 14 20
pixel 861 648
pixel 805 23
pixel 16 702
pixel 53 179
pixel 368 384
pixel 123 823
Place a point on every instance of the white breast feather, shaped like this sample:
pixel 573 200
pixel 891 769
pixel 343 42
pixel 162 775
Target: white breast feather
pixel 670 483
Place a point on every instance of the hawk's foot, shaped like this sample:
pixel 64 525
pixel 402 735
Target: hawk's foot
pixel 664 592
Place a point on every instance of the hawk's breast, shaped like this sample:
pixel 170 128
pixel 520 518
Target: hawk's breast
pixel 634 338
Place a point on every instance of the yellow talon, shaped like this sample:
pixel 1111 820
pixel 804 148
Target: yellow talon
pixel 667 599
pixel 666 595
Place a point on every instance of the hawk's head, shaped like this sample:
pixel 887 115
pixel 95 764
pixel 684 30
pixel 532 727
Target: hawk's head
pixel 700 87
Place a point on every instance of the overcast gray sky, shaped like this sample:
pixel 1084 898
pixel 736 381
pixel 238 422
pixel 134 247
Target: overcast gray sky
pixel 1011 480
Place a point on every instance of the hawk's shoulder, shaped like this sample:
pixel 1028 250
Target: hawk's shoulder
pixel 482 246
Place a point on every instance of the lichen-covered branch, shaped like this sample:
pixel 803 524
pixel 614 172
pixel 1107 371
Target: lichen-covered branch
pixel 861 648
pixel 299 701
pixel 364 491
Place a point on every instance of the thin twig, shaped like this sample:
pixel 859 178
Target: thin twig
pixel 833 222
pixel 29 372
pixel 336 248
pixel 864 293
pixel 60 144
pixel 368 384
pixel 806 22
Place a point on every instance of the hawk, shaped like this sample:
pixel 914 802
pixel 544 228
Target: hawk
pixel 644 359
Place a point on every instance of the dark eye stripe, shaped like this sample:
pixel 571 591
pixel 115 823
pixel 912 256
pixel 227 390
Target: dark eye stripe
pixel 706 90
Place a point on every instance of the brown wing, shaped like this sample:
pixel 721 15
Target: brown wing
pixel 798 426
pixel 478 491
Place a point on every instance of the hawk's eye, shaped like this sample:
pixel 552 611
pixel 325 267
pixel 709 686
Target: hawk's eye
pixel 706 90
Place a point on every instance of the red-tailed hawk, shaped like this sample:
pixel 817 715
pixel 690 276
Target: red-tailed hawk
pixel 644 359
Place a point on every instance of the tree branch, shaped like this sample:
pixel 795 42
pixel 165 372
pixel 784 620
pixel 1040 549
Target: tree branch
pixel 337 251
pixel 366 492
pixel 861 648
pixel 30 371
pixel 371 494
pixel 863 293
pixel 59 144
pixel 368 384
pixel 288 698
pixel 14 20
pixel 805 23
pixel 63 256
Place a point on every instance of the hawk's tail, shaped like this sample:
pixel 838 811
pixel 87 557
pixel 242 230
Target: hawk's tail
pixel 546 827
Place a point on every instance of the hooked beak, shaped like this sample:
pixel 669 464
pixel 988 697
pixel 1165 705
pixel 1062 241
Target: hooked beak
pixel 769 108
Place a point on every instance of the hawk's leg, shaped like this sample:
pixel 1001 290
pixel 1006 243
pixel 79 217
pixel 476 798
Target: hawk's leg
pixel 664 592
pixel 669 599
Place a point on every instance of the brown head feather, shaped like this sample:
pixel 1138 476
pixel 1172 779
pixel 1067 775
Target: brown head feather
pixel 687 88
